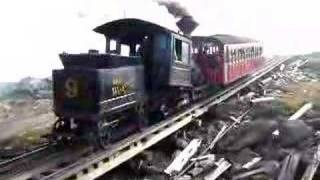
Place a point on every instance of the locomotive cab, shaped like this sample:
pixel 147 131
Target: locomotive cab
pixel 164 53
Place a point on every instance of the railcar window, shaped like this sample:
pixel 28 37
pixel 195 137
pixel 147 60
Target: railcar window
pixel 237 54
pixel 233 54
pixel 241 53
pixel 195 51
pixel 247 52
pixel 178 50
pixel 138 46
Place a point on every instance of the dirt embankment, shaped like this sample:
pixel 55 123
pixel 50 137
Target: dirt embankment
pixel 24 121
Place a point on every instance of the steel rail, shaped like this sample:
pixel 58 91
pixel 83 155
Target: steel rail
pixel 99 163
pixel 40 148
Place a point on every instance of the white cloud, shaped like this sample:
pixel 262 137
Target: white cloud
pixel 34 32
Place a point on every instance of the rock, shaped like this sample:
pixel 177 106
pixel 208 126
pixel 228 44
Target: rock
pixel 242 157
pixel 4 110
pixel 269 168
pixel 196 171
pixel 293 132
pixel 253 133
pixel 181 143
pixel 271 150
pixel 314 122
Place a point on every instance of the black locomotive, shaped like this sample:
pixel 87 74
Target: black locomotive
pixel 145 72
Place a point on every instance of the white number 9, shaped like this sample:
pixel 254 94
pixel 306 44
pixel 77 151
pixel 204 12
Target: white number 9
pixel 71 87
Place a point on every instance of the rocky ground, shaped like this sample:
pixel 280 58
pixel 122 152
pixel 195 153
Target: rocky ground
pixel 268 143
pixel 25 115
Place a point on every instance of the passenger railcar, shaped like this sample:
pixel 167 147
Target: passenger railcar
pixel 224 59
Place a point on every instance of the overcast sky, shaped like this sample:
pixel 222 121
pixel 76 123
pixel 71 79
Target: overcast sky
pixel 34 32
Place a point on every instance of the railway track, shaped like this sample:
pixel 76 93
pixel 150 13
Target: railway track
pixel 25 155
pixel 86 164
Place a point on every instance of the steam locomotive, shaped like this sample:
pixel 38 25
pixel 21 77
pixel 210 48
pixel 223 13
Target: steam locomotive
pixel 145 74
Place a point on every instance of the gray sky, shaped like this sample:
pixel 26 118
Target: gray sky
pixel 34 32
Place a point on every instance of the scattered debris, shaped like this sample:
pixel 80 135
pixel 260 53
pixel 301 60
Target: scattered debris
pixel 247 97
pixel 268 167
pixel 263 99
pixel 205 157
pixel 313 166
pixel 289 166
pixel 222 166
pixel 251 163
pixel 182 159
pixel 301 111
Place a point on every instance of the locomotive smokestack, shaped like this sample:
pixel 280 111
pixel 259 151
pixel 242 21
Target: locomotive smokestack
pixel 186 24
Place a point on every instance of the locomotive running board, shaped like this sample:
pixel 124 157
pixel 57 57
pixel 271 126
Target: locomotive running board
pixel 100 163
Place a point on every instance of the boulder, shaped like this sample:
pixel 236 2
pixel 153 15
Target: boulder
pixel 251 134
pixel 293 132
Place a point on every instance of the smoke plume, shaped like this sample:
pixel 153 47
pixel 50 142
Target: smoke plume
pixel 174 8
pixel 186 23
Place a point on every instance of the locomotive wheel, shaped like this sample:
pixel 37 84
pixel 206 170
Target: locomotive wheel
pixel 103 135
pixel 59 132
pixel 140 114
pixel 59 125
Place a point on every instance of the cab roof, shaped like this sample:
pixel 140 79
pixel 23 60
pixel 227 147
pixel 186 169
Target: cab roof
pixel 224 39
pixel 136 27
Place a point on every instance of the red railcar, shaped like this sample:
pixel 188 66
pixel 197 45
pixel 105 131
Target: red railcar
pixel 224 59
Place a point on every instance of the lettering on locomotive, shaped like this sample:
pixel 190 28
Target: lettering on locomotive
pixel 119 87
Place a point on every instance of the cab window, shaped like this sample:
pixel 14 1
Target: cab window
pixel 113 45
pixel 178 49
pixel 125 50
pixel 181 51
pixel 185 52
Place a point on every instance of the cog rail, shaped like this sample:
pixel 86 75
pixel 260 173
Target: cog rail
pixel 101 162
